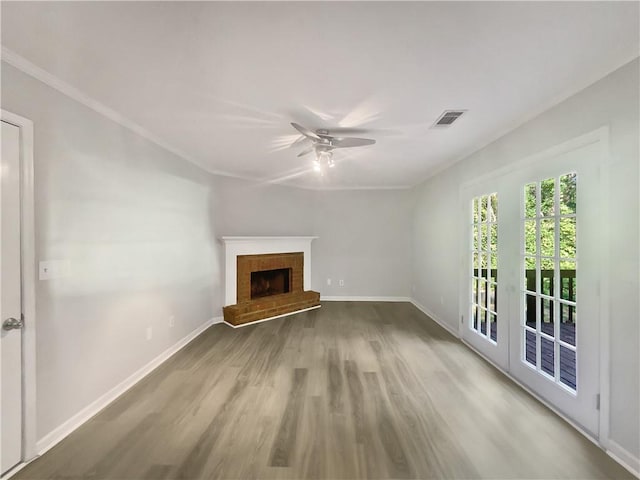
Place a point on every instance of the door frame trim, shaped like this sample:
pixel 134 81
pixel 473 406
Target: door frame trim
pixel 603 139
pixel 28 282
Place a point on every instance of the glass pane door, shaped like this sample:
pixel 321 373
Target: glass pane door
pixel 549 264
pixel 484 302
pixel 484 267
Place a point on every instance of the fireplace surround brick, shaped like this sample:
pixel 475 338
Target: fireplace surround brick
pixel 247 310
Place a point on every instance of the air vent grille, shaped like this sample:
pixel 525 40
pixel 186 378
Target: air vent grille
pixel 448 117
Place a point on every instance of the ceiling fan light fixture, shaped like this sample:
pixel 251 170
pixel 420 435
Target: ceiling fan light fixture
pixel 323 156
pixel 323 160
pixel 323 143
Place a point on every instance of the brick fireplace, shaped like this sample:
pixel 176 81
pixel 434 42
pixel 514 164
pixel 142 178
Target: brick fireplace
pixel 257 272
pixel 265 278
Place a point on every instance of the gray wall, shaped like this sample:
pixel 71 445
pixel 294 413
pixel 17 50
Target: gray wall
pixel 139 228
pixel 244 208
pixel 363 236
pixel 251 208
pixel 612 101
pixel 364 239
pixel 134 223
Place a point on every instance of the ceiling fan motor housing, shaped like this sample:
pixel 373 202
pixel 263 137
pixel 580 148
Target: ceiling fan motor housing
pixel 323 147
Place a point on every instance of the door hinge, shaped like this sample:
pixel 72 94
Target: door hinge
pixel 461 318
pixel 598 401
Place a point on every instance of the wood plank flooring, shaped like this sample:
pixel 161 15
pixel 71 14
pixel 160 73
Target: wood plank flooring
pixel 352 390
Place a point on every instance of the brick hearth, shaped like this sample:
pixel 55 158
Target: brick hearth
pixel 248 310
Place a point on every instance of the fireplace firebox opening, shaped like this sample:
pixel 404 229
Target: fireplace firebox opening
pixel 270 282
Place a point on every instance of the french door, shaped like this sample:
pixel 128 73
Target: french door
pixel 531 252
pixel 484 304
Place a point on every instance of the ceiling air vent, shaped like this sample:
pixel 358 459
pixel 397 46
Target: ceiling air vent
pixel 448 117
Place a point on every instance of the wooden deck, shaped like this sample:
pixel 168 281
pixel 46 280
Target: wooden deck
pixel 567 357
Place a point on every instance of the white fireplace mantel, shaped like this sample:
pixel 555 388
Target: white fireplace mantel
pixel 234 246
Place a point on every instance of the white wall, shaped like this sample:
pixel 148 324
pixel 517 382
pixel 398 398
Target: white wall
pixel 612 101
pixel 134 224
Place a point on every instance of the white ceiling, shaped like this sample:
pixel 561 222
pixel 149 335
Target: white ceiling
pixel 221 82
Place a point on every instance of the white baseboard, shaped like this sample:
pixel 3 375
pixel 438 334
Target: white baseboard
pixel 270 318
pixel 347 298
pixel 623 457
pixel 13 470
pixel 435 318
pixel 58 434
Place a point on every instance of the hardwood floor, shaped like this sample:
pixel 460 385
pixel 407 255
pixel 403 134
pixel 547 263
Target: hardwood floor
pixel 352 390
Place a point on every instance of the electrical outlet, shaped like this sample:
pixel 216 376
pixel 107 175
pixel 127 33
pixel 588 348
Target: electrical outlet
pixel 328 281
pixel 149 333
pixel 172 321
pixel 341 283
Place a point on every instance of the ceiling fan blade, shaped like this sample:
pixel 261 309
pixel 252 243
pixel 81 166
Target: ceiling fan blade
pixel 351 142
pixel 306 151
pixel 301 140
pixel 337 131
pixel 378 132
pixel 305 131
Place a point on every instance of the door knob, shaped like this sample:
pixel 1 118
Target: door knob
pixel 12 324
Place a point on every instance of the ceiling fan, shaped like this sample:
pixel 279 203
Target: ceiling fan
pixel 323 144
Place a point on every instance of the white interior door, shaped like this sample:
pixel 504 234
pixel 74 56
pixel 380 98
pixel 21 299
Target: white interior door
pixel 10 300
pixel 532 238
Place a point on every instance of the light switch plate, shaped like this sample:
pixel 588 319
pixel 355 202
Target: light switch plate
pixel 51 269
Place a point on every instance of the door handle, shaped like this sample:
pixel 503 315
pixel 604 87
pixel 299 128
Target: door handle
pixel 12 324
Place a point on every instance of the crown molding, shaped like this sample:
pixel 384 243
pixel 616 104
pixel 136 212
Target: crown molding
pixel 25 66
pixel 29 68
pixel 362 187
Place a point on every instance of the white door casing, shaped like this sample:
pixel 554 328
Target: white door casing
pixel 10 299
pixel 26 229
